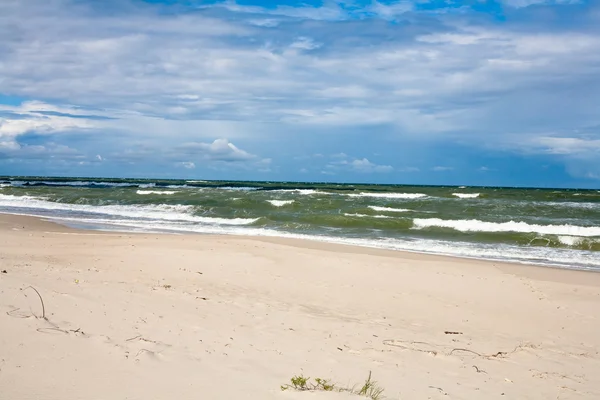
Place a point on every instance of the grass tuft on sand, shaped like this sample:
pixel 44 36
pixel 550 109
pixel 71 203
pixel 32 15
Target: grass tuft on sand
pixel 369 389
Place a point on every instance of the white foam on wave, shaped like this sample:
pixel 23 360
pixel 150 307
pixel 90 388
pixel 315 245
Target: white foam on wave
pixel 181 187
pixel 280 203
pixel 165 192
pixel 389 209
pixel 466 195
pixel 390 195
pixel 165 212
pixel 304 192
pixel 571 240
pixel 240 188
pixel 567 204
pixel 474 225
pixel 366 216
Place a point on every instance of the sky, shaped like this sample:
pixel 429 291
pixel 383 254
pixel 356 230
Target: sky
pixel 493 93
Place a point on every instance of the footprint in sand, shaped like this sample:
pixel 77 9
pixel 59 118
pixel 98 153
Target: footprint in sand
pixel 140 348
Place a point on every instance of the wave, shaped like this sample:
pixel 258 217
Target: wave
pixel 165 192
pixel 181 187
pixel 74 183
pixel 181 219
pixel 366 216
pixel 238 188
pixel 566 204
pixel 474 225
pixel 280 203
pixel 571 240
pixel 390 195
pixel 466 195
pixel 565 258
pixel 166 212
pixel 389 209
pixel 305 192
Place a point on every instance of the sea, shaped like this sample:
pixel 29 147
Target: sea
pixel 551 227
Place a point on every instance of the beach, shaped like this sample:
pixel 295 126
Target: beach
pixel 189 316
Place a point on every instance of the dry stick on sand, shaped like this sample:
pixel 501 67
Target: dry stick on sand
pixel 498 354
pixel 434 352
pixel 479 370
pixel 41 300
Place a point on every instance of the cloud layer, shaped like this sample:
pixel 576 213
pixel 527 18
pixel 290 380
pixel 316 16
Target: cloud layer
pixel 131 79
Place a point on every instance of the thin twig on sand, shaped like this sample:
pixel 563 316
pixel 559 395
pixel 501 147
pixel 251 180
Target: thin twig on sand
pixel 41 300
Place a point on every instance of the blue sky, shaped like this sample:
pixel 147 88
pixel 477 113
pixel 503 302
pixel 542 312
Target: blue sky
pixel 419 92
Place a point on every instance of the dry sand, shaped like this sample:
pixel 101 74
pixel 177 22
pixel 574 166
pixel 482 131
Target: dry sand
pixel 140 316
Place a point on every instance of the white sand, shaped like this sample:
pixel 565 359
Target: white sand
pixel 205 317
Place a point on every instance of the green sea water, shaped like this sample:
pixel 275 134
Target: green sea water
pixel 555 227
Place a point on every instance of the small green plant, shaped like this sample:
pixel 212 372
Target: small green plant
pixel 324 384
pixel 300 383
pixel 369 389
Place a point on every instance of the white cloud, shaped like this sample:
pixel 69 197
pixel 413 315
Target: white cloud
pixel 569 145
pixel 48 151
pixel 361 165
pixel 219 154
pixel 329 12
pixel 527 3
pixel 186 164
pixel 39 117
pixel 305 43
pixel 391 11
pixel 580 155
pixel 339 155
pixel 219 150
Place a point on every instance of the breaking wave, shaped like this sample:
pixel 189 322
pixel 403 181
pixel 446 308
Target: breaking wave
pixel 474 225
pixel 280 203
pixel 390 195
pixel 165 212
pixel 164 192
pixel 366 216
pixel 389 209
pixel 466 195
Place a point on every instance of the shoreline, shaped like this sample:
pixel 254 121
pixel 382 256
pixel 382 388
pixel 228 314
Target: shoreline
pixel 170 316
pixel 520 226
pixel 315 243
